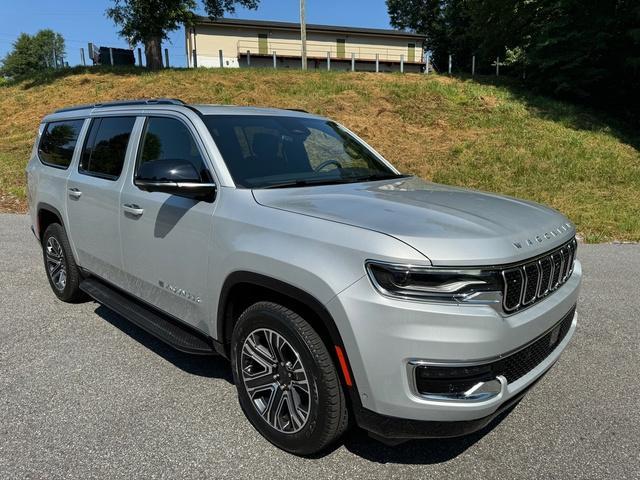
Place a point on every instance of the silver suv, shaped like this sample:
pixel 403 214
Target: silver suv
pixel 342 291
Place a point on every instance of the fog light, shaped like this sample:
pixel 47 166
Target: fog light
pixel 466 383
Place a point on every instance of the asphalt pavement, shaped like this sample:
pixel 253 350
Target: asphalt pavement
pixel 84 394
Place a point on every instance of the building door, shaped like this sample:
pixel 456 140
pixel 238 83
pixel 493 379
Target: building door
pixel 263 45
pixel 411 56
pixel 340 48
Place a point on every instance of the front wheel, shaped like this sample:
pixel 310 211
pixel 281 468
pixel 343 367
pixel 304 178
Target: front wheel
pixel 287 383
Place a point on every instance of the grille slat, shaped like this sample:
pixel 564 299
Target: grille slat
pixel 530 282
pixel 513 283
pixel 556 259
pixel 532 276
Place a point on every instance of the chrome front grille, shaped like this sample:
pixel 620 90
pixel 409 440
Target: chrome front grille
pixel 529 282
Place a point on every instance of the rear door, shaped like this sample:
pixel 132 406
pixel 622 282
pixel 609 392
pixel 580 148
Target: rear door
pixel 166 238
pixel 93 195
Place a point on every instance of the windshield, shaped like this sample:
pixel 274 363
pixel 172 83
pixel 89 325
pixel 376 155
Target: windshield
pixel 277 152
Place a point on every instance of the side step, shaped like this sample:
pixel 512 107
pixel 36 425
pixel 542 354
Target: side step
pixel 171 331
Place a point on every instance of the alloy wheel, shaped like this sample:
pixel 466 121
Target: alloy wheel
pixel 276 380
pixel 55 263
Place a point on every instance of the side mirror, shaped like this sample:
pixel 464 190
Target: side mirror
pixel 178 177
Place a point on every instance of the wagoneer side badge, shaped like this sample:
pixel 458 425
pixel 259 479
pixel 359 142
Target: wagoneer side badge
pixel 529 242
pixel 179 292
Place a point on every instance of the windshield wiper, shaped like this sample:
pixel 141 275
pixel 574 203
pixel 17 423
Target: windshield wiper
pixel 374 176
pixel 333 181
pixel 303 183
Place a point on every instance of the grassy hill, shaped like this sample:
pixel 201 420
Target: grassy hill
pixel 461 132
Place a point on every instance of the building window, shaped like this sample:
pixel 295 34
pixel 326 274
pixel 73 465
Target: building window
pixel 340 48
pixel 411 56
pixel 263 44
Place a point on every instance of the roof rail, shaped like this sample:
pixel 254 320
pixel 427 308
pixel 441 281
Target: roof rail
pixel 122 103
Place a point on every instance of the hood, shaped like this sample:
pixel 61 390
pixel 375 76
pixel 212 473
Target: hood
pixel 449 225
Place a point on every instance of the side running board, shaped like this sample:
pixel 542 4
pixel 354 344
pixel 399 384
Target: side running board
pixel 171 331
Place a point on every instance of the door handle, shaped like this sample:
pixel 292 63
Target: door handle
pixel 133 209
pixel 74 192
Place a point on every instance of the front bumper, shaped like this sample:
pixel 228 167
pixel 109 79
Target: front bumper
pixel 384 337
pixel 394 428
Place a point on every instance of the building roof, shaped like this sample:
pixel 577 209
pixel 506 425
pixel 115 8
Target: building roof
pixel 238 22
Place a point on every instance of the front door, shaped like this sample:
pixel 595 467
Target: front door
pixel 93 196
pixel 411 57
pixel 166 238
pixel 263 44
pixel 340 48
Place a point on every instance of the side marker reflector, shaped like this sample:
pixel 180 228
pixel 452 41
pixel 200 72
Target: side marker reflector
pixel 343 366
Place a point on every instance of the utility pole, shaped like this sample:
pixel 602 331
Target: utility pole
pixel 303 35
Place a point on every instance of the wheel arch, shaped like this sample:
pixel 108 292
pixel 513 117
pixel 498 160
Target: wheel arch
pixel 46 215
pixel 242 288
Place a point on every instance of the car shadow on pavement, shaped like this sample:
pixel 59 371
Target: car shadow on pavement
pixel 356 441
pixel 420 452
pixel 204 366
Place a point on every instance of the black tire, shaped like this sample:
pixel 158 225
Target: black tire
pixel 327 416
pixel 70 292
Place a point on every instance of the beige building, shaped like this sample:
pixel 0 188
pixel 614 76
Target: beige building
pixel 241 43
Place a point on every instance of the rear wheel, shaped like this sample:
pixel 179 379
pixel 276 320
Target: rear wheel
pixel 61 268
pixel 287 383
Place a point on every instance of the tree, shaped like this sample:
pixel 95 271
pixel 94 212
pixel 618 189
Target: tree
pixel 585 50
pixel 421 16
pixel 149 21
pixel 445 24
pixel 33 53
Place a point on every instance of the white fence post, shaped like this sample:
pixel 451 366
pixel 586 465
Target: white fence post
pixel 111 55
pixel 473 66
pixel 377 62
pixel 402 63
pixel 450 63
pixel 497 66
pixel 275 62
pixel 353 61
pixel 139 56
pixel 221 56
pixel 428 63
pixel 328 61
pixel 84 63
pixel 248 58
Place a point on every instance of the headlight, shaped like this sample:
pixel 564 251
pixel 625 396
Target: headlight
pixel 433 284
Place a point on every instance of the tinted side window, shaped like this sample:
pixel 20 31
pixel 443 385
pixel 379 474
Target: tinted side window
pixel 170 139
pixel 106 146
pixel 58 142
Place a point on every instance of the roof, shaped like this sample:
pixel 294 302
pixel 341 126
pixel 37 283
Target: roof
pixel 238 22
pixel 250 111
pixel 155 103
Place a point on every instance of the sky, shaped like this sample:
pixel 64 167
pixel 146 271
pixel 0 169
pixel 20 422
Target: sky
pixel 83 21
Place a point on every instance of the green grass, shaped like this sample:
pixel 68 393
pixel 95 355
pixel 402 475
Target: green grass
pixel 457 131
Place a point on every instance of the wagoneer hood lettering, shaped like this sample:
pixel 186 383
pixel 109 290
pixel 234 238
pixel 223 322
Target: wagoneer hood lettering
pixel 449 225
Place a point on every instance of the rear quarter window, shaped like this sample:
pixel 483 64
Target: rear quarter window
pixel 58 141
